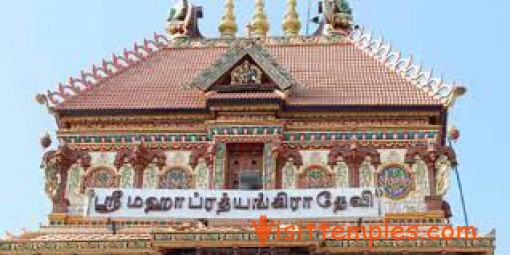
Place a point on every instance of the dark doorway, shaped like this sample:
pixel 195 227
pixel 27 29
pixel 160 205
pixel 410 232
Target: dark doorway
pixel 244 166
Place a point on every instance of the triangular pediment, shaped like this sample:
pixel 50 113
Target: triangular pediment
pixel 244 66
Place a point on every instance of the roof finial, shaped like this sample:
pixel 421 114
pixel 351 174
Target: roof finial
pixel 228 25
pixel 259 25
pixel 291 23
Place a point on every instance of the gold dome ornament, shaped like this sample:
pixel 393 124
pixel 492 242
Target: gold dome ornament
pixel 259 25
pixel 291 24
pixel 228 25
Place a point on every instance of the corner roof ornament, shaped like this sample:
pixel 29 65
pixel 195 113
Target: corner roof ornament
pixel 183 20
pixel 337 18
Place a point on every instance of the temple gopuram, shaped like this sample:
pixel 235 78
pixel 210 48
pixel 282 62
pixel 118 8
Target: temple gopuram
pixel 182 143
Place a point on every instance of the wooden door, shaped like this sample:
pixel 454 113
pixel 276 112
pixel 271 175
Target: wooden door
pixel 243 157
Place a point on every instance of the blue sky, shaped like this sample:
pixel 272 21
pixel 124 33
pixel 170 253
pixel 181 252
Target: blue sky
pixel 44 42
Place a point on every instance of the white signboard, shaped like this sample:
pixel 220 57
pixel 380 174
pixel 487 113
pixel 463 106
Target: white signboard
pixel 233 204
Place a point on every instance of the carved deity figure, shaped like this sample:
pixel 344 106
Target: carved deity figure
pixel 74 183
pixel 342 173
pixel 289 174
pixel 443 166
pixel 422 178
pixel 53 180
pixel 150 176
pixel 127 176
pixel 366 174
pixel 202 174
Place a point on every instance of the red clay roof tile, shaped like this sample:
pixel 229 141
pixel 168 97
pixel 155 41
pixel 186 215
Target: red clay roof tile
pixel 337 74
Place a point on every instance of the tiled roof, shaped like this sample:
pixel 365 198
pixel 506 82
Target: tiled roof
pixel 333 74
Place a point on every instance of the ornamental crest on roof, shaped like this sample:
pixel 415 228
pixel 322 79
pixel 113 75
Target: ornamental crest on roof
pixel 245 62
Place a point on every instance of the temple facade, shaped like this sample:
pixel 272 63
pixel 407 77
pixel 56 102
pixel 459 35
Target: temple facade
pixel 178 116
